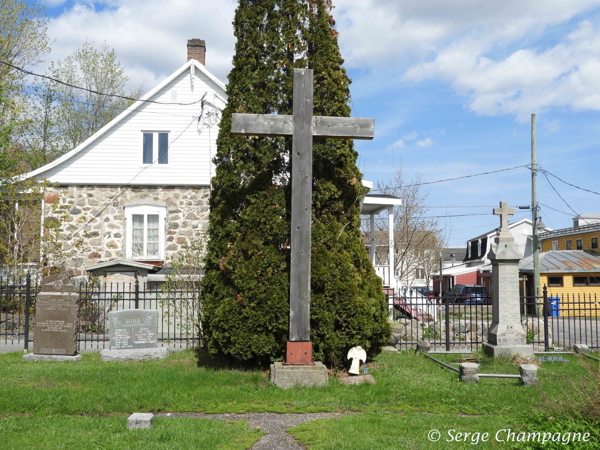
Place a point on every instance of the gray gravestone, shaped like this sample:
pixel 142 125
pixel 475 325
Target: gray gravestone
pixel 506 336
pixel 133 335
pixel 56 320
pixel 134 328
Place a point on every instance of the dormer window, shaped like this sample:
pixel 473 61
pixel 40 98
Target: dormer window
pixel 479 248
pixel 155 147
pixel 469 246
pixel 145 232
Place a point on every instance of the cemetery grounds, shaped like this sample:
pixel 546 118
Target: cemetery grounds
pixel 47 405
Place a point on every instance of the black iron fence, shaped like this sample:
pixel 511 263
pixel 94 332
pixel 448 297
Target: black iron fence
pixel 550 321
pixel 177 319
pixel 16 300
pixel 177 323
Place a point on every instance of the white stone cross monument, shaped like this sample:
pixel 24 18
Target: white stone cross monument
pixel 506 336
pixel 302 126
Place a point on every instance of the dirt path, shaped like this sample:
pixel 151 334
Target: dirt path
pixel 275 425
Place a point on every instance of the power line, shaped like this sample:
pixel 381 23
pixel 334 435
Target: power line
pixel 452 179
pixel 557 210
pixel 480 206
pixel 558 193
pixel 93 91
pixel 59 98
pixel 570 184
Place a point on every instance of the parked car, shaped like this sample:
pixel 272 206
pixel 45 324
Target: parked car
pixel 424 291
pixel 469 294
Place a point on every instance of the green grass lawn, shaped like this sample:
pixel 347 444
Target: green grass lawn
pixel 52 432
pixel 426 395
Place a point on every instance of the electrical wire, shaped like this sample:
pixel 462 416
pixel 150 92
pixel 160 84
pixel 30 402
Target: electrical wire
pixel 558 193
pixel 40 94
pixel 569 184
pixel 93 91
pixel 554 209
pixel 452 179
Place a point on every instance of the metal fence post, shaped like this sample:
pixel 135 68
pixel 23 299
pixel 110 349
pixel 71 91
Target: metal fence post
pixel 137 293
pixel 447 314
pixel 27 305
pixel 546 312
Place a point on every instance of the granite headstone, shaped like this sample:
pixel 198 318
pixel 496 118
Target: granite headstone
pixel 133 328
pixel 56 319
pixel 133 336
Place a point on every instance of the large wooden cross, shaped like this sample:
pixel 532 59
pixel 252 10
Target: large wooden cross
pixel 302 126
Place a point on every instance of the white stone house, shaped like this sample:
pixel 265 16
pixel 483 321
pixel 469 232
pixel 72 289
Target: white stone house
pixel 130 196
pixel 139 188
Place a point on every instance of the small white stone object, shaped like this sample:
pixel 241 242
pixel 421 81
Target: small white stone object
pixel 356 354
pixel 140 420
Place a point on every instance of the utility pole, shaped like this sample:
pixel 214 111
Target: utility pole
pixel 534 215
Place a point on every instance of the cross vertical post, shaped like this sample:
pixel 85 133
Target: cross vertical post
pixel 299 324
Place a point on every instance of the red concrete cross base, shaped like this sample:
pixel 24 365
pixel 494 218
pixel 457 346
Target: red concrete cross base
pixel 298 353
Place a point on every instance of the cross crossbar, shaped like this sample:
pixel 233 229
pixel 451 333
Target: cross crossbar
pixel 333 127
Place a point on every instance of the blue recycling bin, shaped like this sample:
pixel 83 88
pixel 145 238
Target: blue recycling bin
pixel 554 306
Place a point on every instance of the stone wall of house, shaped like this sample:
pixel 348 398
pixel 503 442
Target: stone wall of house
pixel 92 219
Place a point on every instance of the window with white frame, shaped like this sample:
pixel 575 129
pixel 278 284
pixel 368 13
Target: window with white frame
pixel 155 147
pixel 555 245
pixel 145 232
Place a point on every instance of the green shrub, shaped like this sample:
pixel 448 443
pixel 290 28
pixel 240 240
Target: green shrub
pixel 246 284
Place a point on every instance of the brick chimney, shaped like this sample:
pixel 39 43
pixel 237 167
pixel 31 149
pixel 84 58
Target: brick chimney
pixel 196 50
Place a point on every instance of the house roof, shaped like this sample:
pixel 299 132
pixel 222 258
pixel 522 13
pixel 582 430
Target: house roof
pixel 570 231
pixel 375 203
pixel 564 261
pixel 458 252
pixel 493 232
pixel 121 262
pixel 98 134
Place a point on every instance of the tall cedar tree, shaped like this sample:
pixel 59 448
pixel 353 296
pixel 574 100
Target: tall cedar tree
pixel 246 286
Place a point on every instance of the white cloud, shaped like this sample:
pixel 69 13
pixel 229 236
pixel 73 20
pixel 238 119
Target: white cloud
pixel 398 143
pixel 410 136
pixel 552 126
pixel 527 80
pixel 455 42
pixel 427 142
pixel 149 36
pixel 421 26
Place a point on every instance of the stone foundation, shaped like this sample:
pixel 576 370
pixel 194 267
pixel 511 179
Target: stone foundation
pixel 285 376
pixel 92 218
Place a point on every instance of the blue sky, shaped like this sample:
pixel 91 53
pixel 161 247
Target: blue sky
pixel 451 85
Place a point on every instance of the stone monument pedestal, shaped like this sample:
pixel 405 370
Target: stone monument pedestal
pixel 506 336
pixel 136 354
pixel 507 351
pixel 286 375
pixel 38 357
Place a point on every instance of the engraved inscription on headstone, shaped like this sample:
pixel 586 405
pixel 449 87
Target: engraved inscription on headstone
pixel 133 329
pixel 57 316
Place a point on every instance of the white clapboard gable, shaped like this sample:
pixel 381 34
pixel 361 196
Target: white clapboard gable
pixel 113 155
